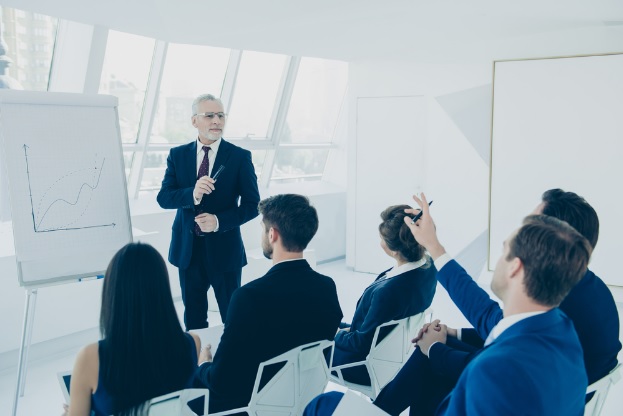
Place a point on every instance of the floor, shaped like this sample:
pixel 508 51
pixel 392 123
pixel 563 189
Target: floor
pixel 43 396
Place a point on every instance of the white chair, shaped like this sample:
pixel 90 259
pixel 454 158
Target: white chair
pixel 303 376
pixel 386 357
pixel 175 404
pixel 353 404
pixel 601 388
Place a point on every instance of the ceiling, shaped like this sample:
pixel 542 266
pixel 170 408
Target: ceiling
pixel 352 30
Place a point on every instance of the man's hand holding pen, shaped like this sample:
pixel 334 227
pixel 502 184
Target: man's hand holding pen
pixel 204 186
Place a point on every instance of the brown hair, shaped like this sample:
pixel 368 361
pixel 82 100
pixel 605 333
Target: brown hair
pixel 397 235
pixel 554 256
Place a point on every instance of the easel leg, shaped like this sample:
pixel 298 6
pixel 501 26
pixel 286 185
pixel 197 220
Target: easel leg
pixel 31 299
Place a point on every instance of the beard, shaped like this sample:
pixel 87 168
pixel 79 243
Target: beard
pixel 267 250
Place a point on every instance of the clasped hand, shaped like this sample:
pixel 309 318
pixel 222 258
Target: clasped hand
pixel 206 222
pixel 431 333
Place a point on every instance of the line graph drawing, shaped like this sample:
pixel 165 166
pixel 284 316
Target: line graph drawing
pixel 50 202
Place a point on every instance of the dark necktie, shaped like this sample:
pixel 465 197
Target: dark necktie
pixel 204 168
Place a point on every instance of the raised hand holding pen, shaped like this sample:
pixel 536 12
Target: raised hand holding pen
pixel 424 228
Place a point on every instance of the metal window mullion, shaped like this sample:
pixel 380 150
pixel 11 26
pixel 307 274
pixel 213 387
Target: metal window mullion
pixel 280 119
pixel 149 112
pixel 229 83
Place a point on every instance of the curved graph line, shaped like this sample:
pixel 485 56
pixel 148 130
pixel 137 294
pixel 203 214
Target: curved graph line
pixel 67 175
pixel 77 198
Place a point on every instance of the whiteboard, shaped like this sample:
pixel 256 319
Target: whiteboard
pixel 69 205
pixel 558 123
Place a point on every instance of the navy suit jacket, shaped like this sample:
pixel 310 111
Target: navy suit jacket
pixel 384 300
pixel 589 305
pixel 234 201
pixel 534 367
pixel 291 305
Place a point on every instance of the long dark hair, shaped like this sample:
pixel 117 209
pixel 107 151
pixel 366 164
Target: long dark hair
pixel 144 348
pixel 397 235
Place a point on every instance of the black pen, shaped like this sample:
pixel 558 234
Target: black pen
pixel 218 172
pixel 419 215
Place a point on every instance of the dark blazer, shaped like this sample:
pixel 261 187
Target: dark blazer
pixel 534 367
pixel 384 300
pixel 234 202
pixel 591 308
pixel 291 305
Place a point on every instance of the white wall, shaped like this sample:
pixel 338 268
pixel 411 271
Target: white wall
pixel 456 175
pixel 458 96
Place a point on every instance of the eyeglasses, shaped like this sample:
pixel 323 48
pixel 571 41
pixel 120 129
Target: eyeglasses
pixel 221 116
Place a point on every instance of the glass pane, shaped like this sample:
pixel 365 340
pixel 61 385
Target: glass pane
pixel 29 39
pixel 189 71
pixel 258 157
pixel 128 159
pixel 299 164
pixel 253 102
pixel 153 169
pixel 125 74
pixel 317 98
pixel 156 164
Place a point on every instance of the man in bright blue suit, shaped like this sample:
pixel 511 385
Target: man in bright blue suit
pixel 532 360
pixel 206 244
pixel 423 382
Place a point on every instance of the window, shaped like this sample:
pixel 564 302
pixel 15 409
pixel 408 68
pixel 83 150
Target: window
pixel 298 165
pixel 316 101
pixel 189 71
pixel 30 30
pixel 125 74
pixel 317 98
pixel 253 103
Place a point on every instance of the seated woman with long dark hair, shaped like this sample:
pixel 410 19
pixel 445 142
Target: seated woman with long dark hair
pixel 404 290
pixel 144 353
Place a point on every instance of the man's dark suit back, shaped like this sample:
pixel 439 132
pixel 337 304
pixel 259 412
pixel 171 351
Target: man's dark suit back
pixel 291 305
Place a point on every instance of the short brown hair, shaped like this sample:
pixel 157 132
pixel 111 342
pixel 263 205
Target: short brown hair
pixel 554 256
pixel 293 216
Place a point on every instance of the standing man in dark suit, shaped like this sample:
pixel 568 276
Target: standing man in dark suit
pixel 206 244
pixel 290 306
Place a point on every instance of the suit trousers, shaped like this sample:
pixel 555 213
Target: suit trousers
pixel 195 281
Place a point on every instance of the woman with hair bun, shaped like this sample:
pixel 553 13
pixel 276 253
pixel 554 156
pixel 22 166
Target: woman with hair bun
pixel 401 291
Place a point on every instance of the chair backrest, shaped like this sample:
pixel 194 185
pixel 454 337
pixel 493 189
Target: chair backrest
pixel 176 403
pixel 387 356
pixel 601 388
pixel 303 375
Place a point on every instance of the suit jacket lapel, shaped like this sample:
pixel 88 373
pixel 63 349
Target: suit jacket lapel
pixel 190 160
pixel 222 155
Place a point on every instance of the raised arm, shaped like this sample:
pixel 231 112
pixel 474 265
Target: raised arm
pixel 479 309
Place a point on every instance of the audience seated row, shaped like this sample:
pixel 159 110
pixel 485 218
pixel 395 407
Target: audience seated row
pixel 144 353
pixel 439 368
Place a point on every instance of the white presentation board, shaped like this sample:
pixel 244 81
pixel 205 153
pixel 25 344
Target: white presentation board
pixel 558 123
pixel 69 203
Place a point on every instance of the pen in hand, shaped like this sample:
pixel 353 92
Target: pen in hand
pixel 218 172
pixel 419 215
